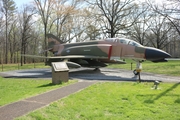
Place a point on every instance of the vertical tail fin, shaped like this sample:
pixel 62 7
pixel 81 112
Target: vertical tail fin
pixel 53 40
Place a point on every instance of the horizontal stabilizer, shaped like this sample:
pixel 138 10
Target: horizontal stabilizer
pixel 73 65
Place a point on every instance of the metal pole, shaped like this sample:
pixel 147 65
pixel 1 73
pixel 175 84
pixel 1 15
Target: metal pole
pixel 34 63
pixel 139 77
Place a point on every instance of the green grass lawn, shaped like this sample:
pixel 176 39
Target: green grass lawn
pixel 12 89
pixel 9 67
pixel 168 68
pixel 115 101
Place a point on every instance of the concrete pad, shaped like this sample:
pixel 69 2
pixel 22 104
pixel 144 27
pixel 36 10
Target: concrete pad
pixel 105 74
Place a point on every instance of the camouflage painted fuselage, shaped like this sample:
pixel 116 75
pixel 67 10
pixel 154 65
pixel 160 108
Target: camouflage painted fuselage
pixel 100 49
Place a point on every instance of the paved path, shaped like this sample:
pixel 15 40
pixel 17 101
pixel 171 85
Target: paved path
pixel 11 111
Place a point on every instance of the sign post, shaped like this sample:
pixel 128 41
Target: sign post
pixel 60 72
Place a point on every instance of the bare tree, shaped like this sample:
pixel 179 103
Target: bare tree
pixel 65 12
pixel 158 33
pixel 26 21
pixel 13 40
pixel 171 10
pixel 91 23
pixel 1 37
pixel 45 9
pixel 141 27
pixel 8 8
pixel 116 14
pixel 78 26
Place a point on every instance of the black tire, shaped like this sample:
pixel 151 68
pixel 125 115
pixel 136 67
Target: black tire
pixel 135 72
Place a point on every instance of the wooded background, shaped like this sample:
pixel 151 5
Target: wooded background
pixel 23 28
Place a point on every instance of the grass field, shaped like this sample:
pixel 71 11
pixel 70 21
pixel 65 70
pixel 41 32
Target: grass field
pixel 168 68
pixel 115 101
pixel 12 90
pixel 8 67
pixel 120 100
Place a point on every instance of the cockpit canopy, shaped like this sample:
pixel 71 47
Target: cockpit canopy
pixel 124 41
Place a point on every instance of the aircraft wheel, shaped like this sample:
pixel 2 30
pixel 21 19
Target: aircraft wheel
pixel 135 72
pixel 96 69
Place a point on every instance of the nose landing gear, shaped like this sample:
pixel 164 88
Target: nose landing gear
pixel 138 69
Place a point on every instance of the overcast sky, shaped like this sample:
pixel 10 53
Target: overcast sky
pixel 19 3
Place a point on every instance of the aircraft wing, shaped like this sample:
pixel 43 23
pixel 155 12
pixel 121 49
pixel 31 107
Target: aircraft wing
pixel 72 64
pixel 168 59
pixel 67 57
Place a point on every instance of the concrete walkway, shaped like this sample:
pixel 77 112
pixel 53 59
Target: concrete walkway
pixel 13 110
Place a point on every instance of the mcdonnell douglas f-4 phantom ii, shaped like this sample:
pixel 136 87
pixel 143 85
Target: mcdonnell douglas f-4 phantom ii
pixel 99 53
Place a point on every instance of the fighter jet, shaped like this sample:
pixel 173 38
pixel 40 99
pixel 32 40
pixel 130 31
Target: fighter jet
pixel 99 53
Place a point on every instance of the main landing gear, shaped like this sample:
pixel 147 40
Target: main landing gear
pixel 96 69
pixel 138 69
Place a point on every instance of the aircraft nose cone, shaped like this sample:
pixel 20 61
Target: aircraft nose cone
pixel 156 55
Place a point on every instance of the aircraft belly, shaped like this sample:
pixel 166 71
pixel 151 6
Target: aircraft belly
pixel 114 61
